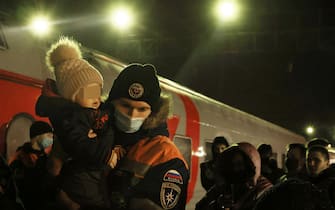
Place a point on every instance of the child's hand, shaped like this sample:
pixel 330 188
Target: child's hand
pixel 91 134
pixel 117 153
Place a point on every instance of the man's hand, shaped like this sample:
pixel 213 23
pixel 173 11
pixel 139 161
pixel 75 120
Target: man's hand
pixel 117 153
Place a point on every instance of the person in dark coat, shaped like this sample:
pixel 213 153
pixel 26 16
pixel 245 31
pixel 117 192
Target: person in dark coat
pixel 269 167
pixel 29 167
pixel 154 173
pixel 293 194
pixel 319 172
pixel 207 168
pixel 295 162
pixel 9 194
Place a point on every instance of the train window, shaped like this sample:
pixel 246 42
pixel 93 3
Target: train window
pixel 274 155
pixel 17 132
pixel 208 150
pixel 3 42
pixel 184 145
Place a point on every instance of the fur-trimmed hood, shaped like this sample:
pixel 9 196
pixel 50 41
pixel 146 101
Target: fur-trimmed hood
pixel 161 115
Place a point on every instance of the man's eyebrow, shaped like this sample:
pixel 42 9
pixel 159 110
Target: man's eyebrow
pixel 123 101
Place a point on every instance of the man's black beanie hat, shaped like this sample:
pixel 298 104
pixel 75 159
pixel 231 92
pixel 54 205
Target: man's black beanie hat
pixel 137 82
pixel 38 128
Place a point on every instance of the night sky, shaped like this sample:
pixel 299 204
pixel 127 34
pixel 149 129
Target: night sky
pixel 277 61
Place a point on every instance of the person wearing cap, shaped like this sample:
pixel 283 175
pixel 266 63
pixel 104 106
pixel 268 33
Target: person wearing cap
pixel 29 166
pixel 153 174
pixel 73 104
pixel 41 139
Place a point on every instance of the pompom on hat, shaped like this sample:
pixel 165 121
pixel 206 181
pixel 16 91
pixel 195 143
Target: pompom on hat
pixel 71 70
pixel 38 128
pixel 137 82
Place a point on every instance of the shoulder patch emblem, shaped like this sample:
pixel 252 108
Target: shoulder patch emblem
pixel 169 195
pixel 173 176
pixel 135 90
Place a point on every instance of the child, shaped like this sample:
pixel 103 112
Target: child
pixel 82 128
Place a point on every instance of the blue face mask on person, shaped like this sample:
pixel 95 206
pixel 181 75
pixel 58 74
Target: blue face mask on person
pixel 127 124
pixel 45 142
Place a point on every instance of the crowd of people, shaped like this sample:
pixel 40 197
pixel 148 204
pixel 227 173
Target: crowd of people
pixel 117 154
pixel 247 178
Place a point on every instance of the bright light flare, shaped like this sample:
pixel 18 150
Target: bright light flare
pixel 226 10
pixel 310 130
pixel 121 18
pixel 40 25
pixel 200 152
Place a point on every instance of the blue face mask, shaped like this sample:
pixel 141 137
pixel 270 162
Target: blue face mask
pixel 45 142
pixel 127 124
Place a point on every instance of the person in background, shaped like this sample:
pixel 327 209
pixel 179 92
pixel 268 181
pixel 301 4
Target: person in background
pixel 319 172
pixel 83 130
pixel 29 167
pixel 154 173
pixel 269 167
pixel 239 183
pixel 207 168
pixel 295 162
pixel 41 140
pixel 293 194
pixel 260 184
pixel 321 142
pixel 9 195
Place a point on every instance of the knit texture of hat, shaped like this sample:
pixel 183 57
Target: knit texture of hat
pixel 71 70
pixel 137 82
pixel 38 128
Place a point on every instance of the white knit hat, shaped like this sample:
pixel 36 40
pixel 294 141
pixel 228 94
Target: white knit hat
pixel 71 70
